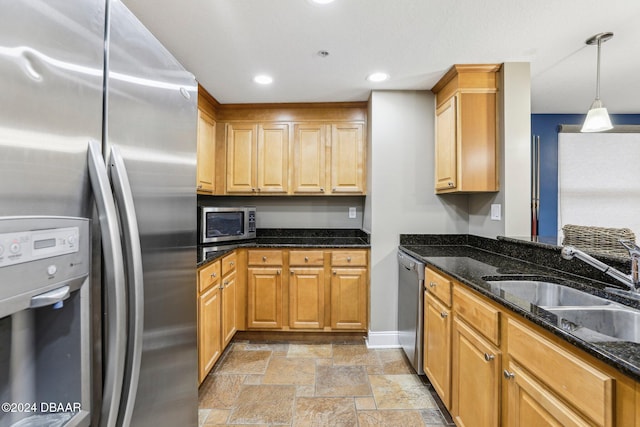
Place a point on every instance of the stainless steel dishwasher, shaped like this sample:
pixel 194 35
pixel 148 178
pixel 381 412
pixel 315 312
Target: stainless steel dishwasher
pixel 410 308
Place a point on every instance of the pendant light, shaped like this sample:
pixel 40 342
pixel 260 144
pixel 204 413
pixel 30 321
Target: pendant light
pixel 597 117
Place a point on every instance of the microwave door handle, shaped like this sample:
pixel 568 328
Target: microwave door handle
pixel 113 267
pixel 133 253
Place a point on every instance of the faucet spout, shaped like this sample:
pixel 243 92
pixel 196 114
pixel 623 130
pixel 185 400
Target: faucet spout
pixel 631 281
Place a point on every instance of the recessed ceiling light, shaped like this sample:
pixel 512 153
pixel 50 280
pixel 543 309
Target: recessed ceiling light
pixel 377 77
pixel 322 1
pixel 263 79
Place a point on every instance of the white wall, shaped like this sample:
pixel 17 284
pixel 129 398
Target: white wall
pixel 401 198
pixel 515 160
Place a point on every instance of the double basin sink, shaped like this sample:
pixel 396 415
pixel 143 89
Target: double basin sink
pixel 580 313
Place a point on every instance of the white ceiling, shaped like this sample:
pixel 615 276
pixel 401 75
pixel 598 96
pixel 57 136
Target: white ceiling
pixel 224 43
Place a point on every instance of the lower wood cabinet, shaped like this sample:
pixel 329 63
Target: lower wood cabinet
pixel 228 292
pixel 264 294
pixel 349 298
pixel 306 297
pixel 209 320
pixel 475 389
pixel 437 346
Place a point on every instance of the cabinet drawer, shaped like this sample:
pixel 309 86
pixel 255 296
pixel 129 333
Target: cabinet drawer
pixel 575 381
pixel 306 257
pixel 349 258
pixel 208 275
pixel 265 257
pixel 229 263
pixel 484 318
pixel 438 285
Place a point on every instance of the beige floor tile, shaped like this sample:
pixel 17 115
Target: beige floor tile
pixel 253 379
pixel 364 403
pixel 202 415
pixel 400 392
pixel 217 417
pixel 220 391
pixel 325 411
pixel 390 419
pixel 342 381
pixel 267 346
pixel 354 355
pixel 306 390
pixel 244 362
pixel 394 362
pixel 285 370
pixel 264 404
pixel 309 350
pixel 324 362
pixel 432 417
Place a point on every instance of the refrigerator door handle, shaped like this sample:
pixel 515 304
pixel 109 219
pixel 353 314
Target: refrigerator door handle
pixel 133 253
pixel 113 267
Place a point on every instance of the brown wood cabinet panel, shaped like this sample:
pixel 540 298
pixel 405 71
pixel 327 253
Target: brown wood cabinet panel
pixel 347 158
pixel 207 276
pixel 349 298
pixel 206 148
pixel 437 347
pixel 309 164
pixel 348 258
pixel 273 158
pixel 241 158
pixel 264 294
pixel 229 308
pixel 446 150
pixel 306 298
pixel 209 336
pixel 475 389
pixel 484 318
pixel 312 257
pixel 229 263
pixel 265 257
pixel 438 285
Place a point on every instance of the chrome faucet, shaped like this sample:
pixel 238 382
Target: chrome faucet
pixel 630 280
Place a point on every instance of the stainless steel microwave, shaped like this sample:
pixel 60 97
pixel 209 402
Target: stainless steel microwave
pixel 218 224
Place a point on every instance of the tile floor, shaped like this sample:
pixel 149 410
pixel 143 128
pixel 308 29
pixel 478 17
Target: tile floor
pixel 330 384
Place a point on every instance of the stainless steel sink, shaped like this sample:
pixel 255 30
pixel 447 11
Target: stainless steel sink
pixel 617 322
pixel 545 294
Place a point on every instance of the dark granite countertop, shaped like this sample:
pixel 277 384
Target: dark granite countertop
pixel 469 260
pixel 296 238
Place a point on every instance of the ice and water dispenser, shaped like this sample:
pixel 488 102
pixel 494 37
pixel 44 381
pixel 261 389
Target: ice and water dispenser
pixel 45 361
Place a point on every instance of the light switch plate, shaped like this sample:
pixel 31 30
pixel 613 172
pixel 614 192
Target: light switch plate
pixel 352 212
pixel 496 212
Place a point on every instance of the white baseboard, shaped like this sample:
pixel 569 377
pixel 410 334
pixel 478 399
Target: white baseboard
pixel 384 339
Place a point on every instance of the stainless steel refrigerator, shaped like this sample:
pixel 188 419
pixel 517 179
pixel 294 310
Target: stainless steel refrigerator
pixel 98 121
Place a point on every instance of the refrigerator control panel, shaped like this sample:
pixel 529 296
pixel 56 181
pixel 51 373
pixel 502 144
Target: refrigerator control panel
pixel 25 246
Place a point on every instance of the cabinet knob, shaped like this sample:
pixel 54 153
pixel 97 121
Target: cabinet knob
pixel 221 287
pixel 508 375
pixel 489 357
pixel 335 272
pixel 253 189
pixel 450 183
pixel 259 189
pixel 231 264
pixel 278 272
pixel 264 258
pixel 292 273
pixel 321 189
pixel 199 186
pixel 348 259
pixel 226 282
pixel 213 274
pixel 306 259
pixel 334 189
pixel 444 314
pixel 432 284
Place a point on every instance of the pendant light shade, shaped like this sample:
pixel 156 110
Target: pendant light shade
pixel 597 117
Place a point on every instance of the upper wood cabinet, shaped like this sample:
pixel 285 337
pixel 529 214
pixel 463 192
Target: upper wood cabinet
pixel 241 158
pixel 466 130
pixel 309 165
pixel 206 148
pixel 347 158
pixel 273 158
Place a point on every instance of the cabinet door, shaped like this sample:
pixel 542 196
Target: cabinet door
pixel 437 347
pixel 264 295
pixel 209 339
pixel 446 145
pixel 309 168
pixel 306 298
pixel 273 158
pixel 206 148
pixel 349 298
pixel 347 158
pixel 475 375
pixel 229 291
pixel 241 158
pixel 529 403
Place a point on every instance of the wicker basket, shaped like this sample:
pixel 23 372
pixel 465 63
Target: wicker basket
pixel 598 240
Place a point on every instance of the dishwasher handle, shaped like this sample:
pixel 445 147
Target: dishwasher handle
pixel 411 264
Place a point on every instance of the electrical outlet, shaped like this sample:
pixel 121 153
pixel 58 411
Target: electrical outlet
pixel 352 212
pixel 496 212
